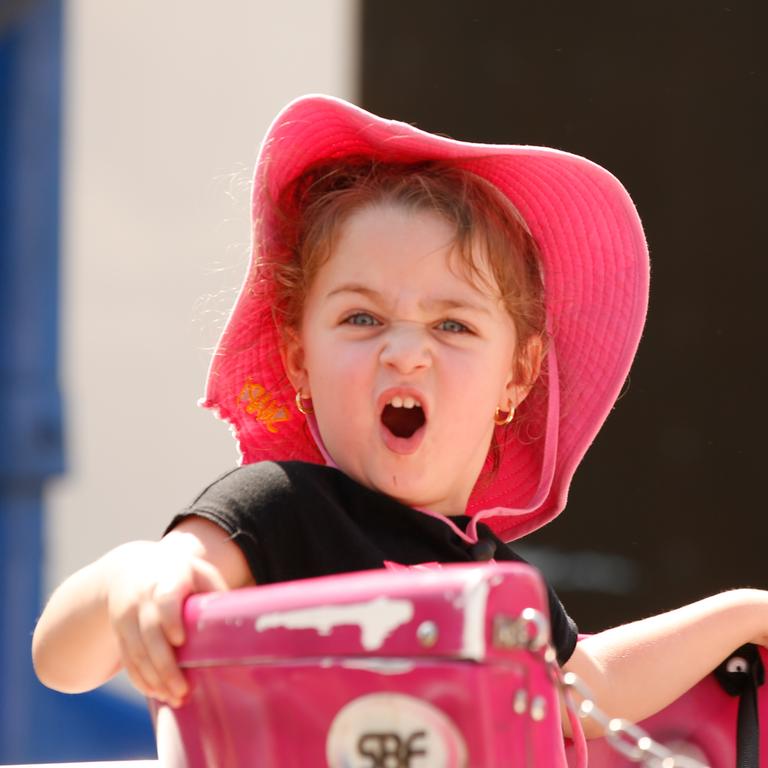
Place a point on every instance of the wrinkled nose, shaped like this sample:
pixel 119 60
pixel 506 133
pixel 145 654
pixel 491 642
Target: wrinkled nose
pixel 406 348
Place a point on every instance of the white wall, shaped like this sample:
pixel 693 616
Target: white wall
pixel 166 102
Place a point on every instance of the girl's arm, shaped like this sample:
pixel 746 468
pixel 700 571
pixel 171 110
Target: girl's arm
pixel 637 669
pixel 125 609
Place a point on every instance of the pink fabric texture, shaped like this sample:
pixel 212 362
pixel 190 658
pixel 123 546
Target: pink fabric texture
pixel 595 266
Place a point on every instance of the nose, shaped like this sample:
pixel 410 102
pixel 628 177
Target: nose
pixel 406 348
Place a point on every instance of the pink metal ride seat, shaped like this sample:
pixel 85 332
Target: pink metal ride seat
pixel 379 669
pixel 437 668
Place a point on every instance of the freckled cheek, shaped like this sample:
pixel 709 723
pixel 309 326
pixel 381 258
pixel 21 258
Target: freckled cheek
pixel 342 381
pixel 344 414
pixel 472 400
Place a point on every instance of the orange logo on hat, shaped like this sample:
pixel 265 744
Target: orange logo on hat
pixel 260 403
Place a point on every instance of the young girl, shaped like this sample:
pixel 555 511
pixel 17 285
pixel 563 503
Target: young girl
pixel 428 340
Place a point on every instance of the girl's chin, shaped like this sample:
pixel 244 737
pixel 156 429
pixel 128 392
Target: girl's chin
pixel 412 493
pixel 411 479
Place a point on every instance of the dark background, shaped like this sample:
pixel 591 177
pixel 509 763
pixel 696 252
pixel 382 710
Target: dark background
pixel 667 506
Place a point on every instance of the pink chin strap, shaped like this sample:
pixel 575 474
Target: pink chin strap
pixel 549 459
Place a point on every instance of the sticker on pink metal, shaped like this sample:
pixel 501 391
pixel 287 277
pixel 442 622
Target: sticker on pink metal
pixel 393 730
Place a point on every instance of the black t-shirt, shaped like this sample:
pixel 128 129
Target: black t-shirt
pixel 294 520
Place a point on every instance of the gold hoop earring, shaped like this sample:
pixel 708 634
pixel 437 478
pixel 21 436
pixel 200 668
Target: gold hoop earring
pixel 502 421
pixel 300 405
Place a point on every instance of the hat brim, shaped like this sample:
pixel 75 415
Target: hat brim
pixel 596 273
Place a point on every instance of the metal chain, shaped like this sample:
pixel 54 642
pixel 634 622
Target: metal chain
pixel 628 739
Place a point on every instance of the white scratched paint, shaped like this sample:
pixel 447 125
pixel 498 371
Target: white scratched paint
pixel 376 618
pixel 380 666
pixel 474 601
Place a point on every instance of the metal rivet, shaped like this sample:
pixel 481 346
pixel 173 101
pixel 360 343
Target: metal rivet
pixel 520 702
pixel 427 633
pixel 538 708
pixel 737 664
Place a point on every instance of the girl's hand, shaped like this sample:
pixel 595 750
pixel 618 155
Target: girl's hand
pixel 126 609
pixel 144 605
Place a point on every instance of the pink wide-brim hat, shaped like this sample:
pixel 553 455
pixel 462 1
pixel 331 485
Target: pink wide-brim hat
pixel 595 268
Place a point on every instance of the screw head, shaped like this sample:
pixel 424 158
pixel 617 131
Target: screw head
pixel 538 709
pixel 427 634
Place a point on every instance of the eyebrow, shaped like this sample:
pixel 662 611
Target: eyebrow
pixel 437 303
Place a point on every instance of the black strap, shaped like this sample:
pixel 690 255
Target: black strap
pixel 741 674
pixel 483 551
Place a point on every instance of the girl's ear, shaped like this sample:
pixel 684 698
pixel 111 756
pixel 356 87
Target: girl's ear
pixel 525 370
pixel 292 355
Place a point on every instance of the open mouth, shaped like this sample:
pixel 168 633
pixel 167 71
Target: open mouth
pixel 403 416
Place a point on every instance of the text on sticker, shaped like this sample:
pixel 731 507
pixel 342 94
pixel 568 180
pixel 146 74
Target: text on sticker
pixel 258 402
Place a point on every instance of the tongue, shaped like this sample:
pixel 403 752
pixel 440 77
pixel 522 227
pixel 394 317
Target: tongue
pixel 402 422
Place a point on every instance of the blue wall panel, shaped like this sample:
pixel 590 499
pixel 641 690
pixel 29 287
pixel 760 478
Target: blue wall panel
pixel 36 724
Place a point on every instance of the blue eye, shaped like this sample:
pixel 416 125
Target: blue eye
pixel 361 318
pixel 453 326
